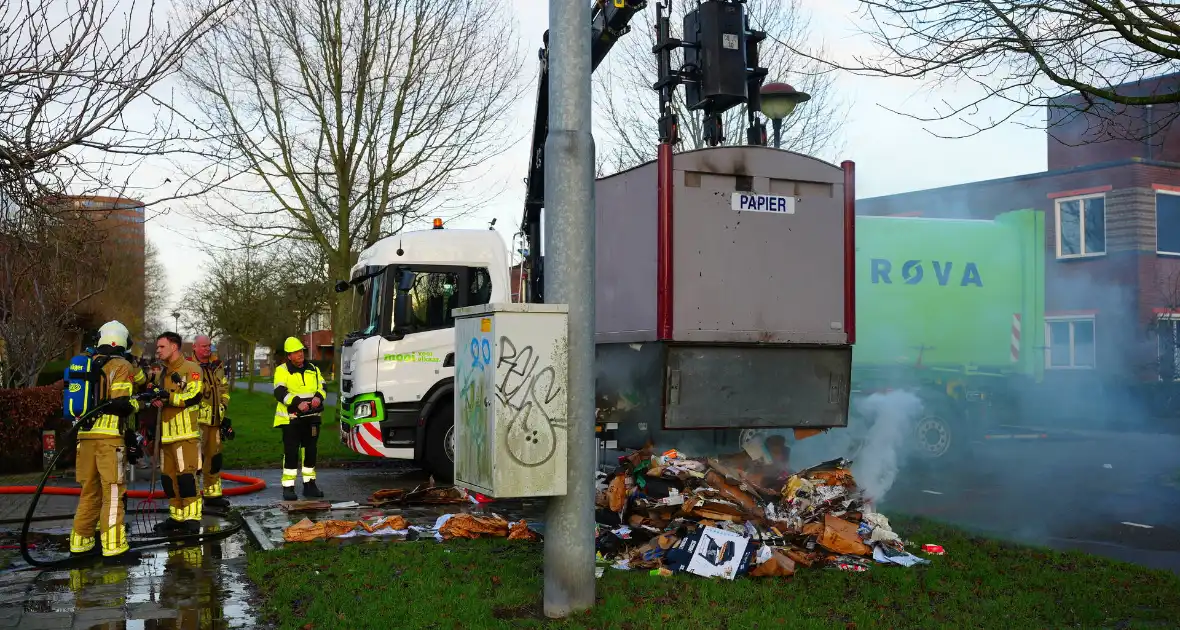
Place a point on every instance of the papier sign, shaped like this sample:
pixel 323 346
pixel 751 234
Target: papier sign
pixel 751 202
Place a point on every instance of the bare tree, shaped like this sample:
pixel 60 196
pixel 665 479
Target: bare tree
pixel 352 118
pixel 46 272
pixel 240 298
pixel 70 73
pixel 1021 54
pixel 156 294
pixel 628 106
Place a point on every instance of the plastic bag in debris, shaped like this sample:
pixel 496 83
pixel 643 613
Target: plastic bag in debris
pixel 888 555
pixel 879 530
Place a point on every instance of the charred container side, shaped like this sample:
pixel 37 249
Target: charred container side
pixel 760 298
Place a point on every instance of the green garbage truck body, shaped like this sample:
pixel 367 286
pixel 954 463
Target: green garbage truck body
pixel 954 308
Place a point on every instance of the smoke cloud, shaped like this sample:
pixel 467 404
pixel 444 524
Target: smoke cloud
pixel 891 418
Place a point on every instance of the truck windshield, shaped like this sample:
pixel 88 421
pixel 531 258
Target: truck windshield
pixel 369 303
pixel 432 296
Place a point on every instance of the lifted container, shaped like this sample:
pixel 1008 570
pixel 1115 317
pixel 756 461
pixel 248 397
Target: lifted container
pixel 760 298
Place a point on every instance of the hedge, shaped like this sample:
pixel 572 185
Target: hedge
pixel 52 372
pixel 24 413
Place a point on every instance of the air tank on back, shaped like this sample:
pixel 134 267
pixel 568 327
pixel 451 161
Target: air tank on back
pixel 758 288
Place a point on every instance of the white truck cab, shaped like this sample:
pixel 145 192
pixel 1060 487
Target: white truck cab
pixel 398 360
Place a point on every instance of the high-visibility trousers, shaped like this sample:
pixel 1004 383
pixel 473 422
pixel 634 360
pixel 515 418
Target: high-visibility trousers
pixel 210 460
pixel 100 470
pixel 181 462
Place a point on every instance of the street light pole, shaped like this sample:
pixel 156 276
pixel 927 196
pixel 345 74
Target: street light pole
pixel 176 322
pixel 569 279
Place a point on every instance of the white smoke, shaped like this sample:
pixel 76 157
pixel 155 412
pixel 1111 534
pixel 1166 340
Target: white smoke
pixel 890 419
pixel 877 440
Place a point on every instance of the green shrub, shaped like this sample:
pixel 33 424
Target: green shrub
pixel 52 372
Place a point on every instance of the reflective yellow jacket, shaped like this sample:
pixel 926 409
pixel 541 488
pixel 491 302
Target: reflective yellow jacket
pixel 214 392
pixel 117 384
pixel 182 380
pixel 294 385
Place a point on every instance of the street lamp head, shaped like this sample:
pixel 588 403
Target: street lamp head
pixel 780 99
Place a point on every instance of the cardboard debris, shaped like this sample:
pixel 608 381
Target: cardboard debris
pixel 446 527
pixel 520 531
pixel 470 526
pixel 306 530
pixel 738 515
pixel 304 506
pixel 438 495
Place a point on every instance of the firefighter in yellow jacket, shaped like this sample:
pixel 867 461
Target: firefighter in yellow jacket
pixel 100 465
pixel 299 389
pixel 214 401
pixel 180 436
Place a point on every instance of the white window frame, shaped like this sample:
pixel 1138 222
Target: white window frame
pixel 1071 319
pixel 1157 221
pixel 1173 319
pixel 1081 199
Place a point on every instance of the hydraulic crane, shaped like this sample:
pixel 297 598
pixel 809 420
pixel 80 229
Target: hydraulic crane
pixel 610 20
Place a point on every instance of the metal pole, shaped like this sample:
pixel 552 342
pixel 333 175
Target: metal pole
pixel 569 279
pixel 778 131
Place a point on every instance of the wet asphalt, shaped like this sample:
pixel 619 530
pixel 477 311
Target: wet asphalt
pixel 1107 493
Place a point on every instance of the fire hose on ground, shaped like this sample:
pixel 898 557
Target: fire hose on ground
pixel 252 485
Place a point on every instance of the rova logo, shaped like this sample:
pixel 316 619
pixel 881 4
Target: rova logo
pixel 912 272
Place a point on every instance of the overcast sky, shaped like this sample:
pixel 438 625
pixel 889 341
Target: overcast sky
pixel 893 153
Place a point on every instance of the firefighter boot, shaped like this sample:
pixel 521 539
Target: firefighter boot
pixel 217 502
pixel 289 494
pixel 168 526
pixel 310 491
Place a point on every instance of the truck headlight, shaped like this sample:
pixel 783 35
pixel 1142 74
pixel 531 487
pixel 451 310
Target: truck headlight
pixel 366 409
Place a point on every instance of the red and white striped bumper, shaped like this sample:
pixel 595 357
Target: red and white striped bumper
pixel 366 439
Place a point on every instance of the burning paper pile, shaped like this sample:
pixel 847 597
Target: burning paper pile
pixel 720 518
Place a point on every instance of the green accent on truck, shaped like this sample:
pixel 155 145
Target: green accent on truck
pixel 941 293
pixel 346 411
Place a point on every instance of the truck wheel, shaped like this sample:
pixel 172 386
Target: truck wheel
pixel 440 442
pixel 933 436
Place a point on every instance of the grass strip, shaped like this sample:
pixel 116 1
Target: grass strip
pixel 980 583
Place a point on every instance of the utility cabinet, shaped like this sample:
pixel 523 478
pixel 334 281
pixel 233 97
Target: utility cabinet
pixel 511 399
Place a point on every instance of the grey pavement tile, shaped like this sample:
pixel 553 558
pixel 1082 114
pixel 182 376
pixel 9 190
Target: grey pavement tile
pixel 10 617
pixel 47 621
pixel 90 617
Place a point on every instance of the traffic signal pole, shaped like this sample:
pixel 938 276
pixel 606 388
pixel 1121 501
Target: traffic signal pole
pixel 569 279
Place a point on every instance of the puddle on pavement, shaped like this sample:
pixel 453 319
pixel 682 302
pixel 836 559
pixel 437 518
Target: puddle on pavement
pixel 174 586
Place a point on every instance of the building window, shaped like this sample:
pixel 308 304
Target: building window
pixel 1069 343
pixel 1081 226
pixel 1167 337
pixel 1167 223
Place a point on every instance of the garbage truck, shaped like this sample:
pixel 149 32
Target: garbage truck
pixel 952 309
pixel 760 306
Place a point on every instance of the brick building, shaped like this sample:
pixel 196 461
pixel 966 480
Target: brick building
pixel 118 223
pixel 1112 224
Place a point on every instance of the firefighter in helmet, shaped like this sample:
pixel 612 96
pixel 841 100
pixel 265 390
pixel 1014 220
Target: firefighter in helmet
pixel 102 451
pixel 180 436
pixel 214 400
pixel 299 389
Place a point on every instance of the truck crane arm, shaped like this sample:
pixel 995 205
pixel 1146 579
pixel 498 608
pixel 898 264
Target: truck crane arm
pixel 610 20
